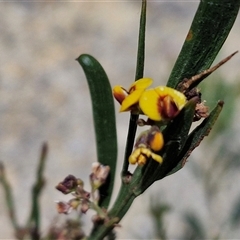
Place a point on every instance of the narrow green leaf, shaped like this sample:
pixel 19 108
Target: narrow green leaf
pixel 209 30
pixel 104 120
pixel 197 136
pixel 141 42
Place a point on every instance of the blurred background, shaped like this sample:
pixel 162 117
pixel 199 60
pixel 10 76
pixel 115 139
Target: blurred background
pixel 44 97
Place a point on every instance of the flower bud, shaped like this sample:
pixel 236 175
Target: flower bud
pixel 155 139
pixel 63 207
pixel 69 184
pixel 99 175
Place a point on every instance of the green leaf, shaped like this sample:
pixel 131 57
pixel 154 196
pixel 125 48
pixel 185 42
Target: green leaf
pixel 141 42
pixel 104 120
pixel 196 136
pixel 209 30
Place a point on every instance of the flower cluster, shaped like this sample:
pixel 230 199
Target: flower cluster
pixel 82 199
pixel 73 185
pixel 159 104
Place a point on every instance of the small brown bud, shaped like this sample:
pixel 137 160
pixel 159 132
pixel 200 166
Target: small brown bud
pixel 63 207
pixel 99 175
pixel 69 184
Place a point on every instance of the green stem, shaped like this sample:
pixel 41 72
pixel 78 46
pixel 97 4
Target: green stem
pixel 123 202
pixel 100 212
pixel 120 208
pixel 132 128
pixel 8 197
pixel 34 219
pixel 139 74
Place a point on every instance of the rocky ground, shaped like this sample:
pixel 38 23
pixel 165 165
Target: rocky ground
pixel 44 95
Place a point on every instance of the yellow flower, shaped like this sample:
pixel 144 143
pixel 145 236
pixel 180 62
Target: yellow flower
pixel 119 93
pixel 129 98
pixel 147 143
pixel 159 104
pixel 141 154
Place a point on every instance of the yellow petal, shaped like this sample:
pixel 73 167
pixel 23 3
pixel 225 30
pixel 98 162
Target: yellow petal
pixel 130 100
pixel 134 156
pixel 141 160
pixel 147 152
pixel 157 158
pixel 142 83
pixel 156 141
pixel 148 103
pixel 119 93
pixel 178 97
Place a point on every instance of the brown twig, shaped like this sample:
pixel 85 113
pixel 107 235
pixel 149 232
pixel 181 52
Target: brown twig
pixel 188 84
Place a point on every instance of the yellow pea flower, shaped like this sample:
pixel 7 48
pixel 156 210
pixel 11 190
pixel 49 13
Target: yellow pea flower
pixel 147 143
pixel 141 154
pixel 161 103
pixel 129 98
